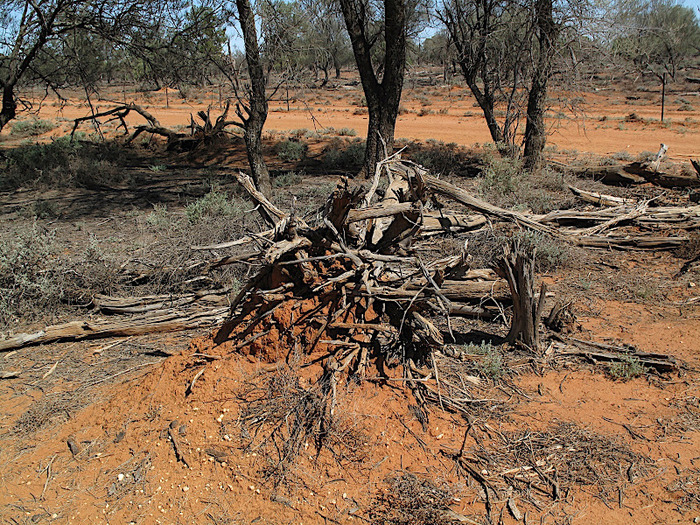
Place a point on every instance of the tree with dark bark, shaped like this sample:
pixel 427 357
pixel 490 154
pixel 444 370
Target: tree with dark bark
pixel 491 40
pixel 506 51
pixel 46 42
pixel 383 95
pixel 252 109
pixel 546 31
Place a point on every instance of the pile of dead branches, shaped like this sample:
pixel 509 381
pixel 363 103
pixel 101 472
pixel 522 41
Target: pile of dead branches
pixel 352 290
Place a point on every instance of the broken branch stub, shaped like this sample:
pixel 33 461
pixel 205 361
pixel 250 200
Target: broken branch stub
pixel 517 267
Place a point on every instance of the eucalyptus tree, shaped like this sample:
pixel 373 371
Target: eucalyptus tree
pixel 381 67
pixel 657 36
pixel 42 41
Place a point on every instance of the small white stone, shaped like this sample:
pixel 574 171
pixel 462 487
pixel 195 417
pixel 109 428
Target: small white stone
pixel 120 477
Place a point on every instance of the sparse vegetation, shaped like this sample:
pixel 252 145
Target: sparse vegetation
pixel 31 128
pixel 491 363
pixel 627 368
pixel 213 204
pixel 291 150
pixel 27 285
pixel 408 500
pixel 286 179
pixel 63 163
pixel 347 156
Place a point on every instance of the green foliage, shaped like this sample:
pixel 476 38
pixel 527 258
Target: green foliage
pixel 159 218
pixel 627 368
pixel 31 128
pixel 441 157
pixel 291 150
pixel 343 155
pixel 289 178
pixel 658 36
pixel 550 253
pixel 213 204
pixel 503 176
pixel 26 284
pixel 491 362
pixel 61 163
pixel 346 132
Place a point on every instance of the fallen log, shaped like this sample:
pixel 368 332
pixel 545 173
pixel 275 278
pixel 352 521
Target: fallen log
pixel 601 198
pixel 160 321
pixel 609 353
pixel 138 305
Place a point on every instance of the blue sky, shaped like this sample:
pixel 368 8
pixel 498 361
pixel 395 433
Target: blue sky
pixel 692 3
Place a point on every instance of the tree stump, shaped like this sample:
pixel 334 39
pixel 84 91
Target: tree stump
pixel 517 266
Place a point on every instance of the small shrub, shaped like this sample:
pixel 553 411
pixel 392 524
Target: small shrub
pixel 213 204
pixel 61 163
pixel 408 500
pixel 622 156
pixel 284 180
pixel 443 158
pixel 347 132
pixel 31 128
pixel 550 253
pixel 291 150
pixel 42 209
pixel 686 107
pixel 26 284
pixel 491 363
pixel 159 218
pixel 346 156
pixel 502 176
pixel 627 368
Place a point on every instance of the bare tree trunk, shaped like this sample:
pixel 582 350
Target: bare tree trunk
pixel 535 131
pixel 517 266
pixel 383 97
pixel 257 104
pixel 9 106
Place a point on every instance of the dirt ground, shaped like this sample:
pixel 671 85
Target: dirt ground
pixel 604 116
pixel 87 429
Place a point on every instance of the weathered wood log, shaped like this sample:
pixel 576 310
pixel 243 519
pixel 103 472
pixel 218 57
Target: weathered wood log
pixel 601 198
pixel 609 353
pixel 161 321
pixel 137 305
pixel 468 200
pixel 271 213
pixel 609 175
pixel 665 179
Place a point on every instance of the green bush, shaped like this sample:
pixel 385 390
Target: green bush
pixel 291 150
pixel 491 362
pixel 26 283
pixel 213 204
pixel 61 163
pixel 502 177
pixel 31 128
pixel 550 253
pixel 289 178
pixel 348 156
pixel 627 368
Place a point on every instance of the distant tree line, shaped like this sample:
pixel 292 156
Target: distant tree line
pixel 506 51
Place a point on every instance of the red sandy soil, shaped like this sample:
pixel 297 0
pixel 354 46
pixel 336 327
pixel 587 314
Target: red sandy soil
pixel 599 126
pixel 126 470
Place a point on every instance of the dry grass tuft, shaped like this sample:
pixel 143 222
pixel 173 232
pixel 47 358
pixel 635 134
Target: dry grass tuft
pixel 282 419
pixel 408 500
